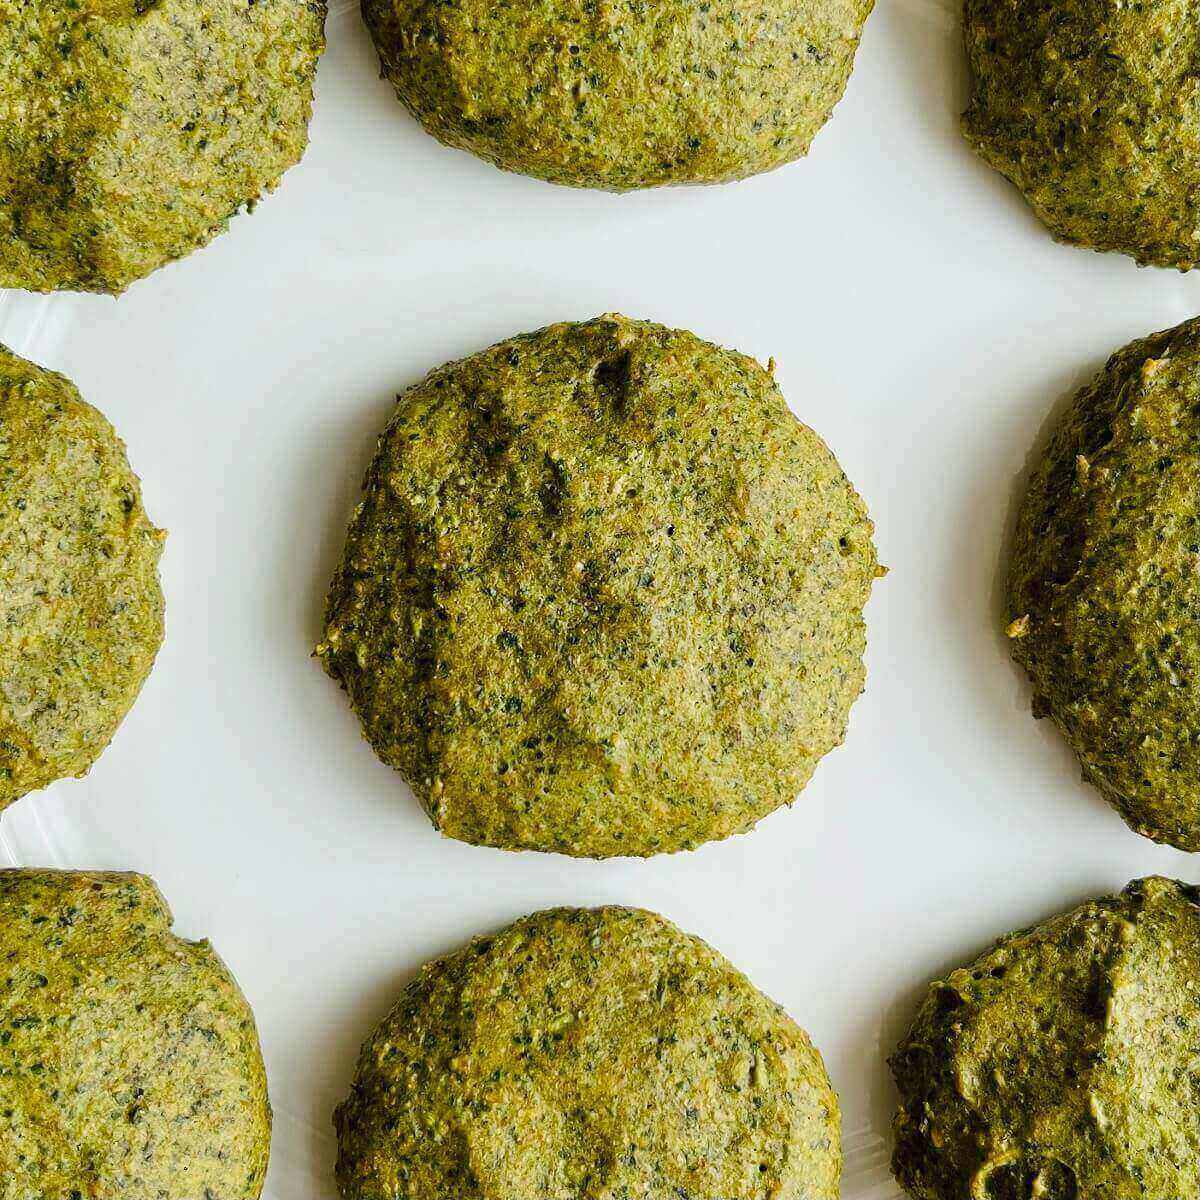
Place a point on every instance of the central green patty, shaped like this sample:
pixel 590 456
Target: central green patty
pixel 132 130
pixel 588 1053
pixel 621 94
pixel 81 607
pixel 1092 108
pixel 603 595
pixel 1104 587
pixel 129 1061
pixel 1062 1065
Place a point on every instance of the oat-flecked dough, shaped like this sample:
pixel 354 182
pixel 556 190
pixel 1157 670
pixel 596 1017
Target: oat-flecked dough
pixel 588 1052
pixel 1092 108
pixel 1103 588
pixel 129 1061
pixel 621 94
pixel 81 608
pixel 132 130
pixel 1061 1065
pixel 604 593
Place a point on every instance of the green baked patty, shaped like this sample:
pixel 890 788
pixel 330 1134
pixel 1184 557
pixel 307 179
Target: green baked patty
pixel 622 94
pixel 1092 108
pixel 1061 1065
pixel 129 1061
pixel 132 130
pixel 603 594
pixel 588 1052
pixel 1103 589
pixel 81 608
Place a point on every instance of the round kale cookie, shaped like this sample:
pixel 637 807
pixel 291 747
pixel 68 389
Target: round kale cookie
pixel 588 1052
pixel 604 593
pixel 1103 588
pixel 132 130
pixel 81 609
pixel 1061 1065
pixel 1092 108
pixel 129 1061
pixel 621 94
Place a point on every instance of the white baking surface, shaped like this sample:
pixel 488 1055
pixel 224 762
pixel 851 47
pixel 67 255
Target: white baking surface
pixel 923 323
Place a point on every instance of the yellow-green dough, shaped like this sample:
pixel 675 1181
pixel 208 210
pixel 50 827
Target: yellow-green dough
pixel 604 593
pixel 132 130
pixel 588 1053
pixel 621 94
pixel 81 608
pixel 129 1062
pixel 1061 1064
pixel 1103 588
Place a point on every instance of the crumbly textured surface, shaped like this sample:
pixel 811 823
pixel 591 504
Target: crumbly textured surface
pixel 621 94
pixel 1092 108
pixel 132 130
pixel 588 1052
pixel 1061 1065
pixel 1103 590
pixel 129 1061
pixel 81 608
pixel 604 593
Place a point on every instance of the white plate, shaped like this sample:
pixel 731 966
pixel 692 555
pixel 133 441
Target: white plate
pixel 923 323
